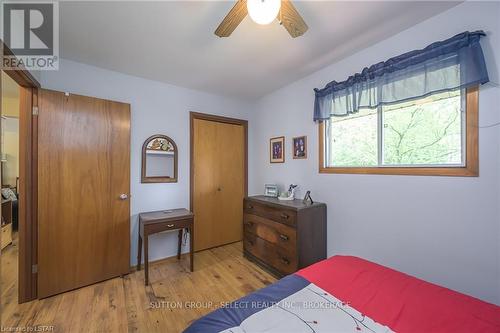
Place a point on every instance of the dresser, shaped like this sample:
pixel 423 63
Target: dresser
pixel 283 236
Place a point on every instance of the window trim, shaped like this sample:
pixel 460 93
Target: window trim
pixel 471 168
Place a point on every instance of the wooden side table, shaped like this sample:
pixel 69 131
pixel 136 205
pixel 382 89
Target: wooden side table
pixel 164 220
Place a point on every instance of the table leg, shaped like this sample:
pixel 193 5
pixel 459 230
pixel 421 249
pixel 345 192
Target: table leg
pixel 179 244
pixel 191 247
pixel 146 260
pixel 139 253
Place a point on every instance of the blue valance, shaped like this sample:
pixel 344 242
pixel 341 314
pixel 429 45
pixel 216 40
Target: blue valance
pixel 457 62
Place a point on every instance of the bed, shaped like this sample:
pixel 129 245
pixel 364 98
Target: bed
pixel 350 294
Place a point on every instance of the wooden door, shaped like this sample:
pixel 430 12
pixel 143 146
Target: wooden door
pixel 84 168
pixel 219 181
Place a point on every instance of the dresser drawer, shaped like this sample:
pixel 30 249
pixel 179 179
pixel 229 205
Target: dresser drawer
pixel 276 214
pixel 271 231
pixel 269 253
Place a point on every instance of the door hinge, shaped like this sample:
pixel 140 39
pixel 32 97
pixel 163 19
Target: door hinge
pixel 35 110
pixel 34 269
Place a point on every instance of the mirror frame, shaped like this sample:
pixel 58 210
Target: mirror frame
pixel 158 179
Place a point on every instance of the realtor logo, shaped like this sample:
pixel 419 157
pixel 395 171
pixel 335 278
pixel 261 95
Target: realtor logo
pixel 31 31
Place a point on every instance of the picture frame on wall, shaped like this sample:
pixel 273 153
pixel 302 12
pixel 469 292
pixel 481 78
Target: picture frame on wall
pixel 299 147
pixel 277 149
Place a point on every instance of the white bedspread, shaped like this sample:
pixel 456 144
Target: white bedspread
pixel 311 309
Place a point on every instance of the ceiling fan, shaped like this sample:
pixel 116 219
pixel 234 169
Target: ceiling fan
pixel 263 12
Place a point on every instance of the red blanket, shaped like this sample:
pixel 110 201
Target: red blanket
pixel 399 301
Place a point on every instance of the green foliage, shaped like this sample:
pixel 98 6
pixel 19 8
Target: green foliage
pixel 353 140
pixel 426 133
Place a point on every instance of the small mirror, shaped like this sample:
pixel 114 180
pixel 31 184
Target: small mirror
pixel 159 160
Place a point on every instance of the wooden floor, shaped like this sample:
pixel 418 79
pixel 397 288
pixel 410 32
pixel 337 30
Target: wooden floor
pixel 174 299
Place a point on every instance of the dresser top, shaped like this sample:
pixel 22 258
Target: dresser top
pixel 165 215
pixel 296 204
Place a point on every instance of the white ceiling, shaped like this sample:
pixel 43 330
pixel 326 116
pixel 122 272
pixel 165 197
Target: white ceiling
pixel 174 42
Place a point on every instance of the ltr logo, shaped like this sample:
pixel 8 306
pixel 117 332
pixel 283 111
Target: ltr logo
pixel 28 28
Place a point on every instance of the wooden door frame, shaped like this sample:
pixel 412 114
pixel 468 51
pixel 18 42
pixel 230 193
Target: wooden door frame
pixel 219 119
pixel 28 175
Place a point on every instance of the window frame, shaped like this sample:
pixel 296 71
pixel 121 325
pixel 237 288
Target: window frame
pixel 470 169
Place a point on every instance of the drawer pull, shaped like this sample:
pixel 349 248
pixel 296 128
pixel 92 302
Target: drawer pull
pixel 250 242
pixel 170 225
pixel 285 261
pixel 284 216
pixel 249 224
pixel 283 237
pixel 250 207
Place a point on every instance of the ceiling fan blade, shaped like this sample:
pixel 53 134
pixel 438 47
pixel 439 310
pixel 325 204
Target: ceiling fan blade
pixel 232 19
pixel 292 21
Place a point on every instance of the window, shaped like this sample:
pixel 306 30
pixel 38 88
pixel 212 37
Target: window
pixel 436 135
pixel 413 114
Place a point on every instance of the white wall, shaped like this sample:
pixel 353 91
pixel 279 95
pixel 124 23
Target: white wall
pixel 444 230
pixel 10 105
pixel 11 150
pixel 157 108
pixel 10 146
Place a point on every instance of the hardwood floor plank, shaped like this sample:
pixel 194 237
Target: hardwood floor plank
pixel 175 298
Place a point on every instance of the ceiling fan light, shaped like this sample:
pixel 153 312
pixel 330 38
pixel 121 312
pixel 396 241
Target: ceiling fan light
pixel 263 11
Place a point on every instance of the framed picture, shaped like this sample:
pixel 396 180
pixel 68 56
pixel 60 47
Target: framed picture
pixel 277 149
pixel 299 147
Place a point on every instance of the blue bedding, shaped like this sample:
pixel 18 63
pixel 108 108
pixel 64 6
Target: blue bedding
pixel 236 312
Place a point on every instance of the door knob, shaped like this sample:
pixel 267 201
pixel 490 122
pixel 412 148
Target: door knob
pixel 123 196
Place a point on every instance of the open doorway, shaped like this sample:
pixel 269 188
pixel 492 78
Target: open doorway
pixel 24 268
pixel 10 156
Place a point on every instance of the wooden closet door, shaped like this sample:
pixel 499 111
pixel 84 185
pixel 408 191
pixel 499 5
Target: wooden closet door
pixel 84 168
pixel 219 182
pixel 231 185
